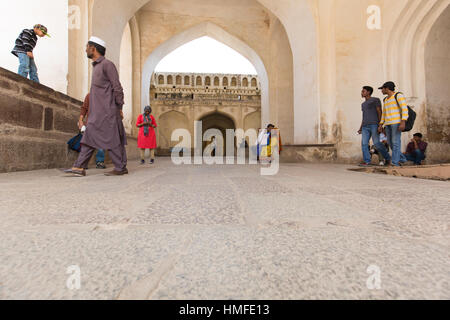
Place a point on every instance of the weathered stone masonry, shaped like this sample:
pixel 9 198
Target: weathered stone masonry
pixel 35 124
pixel 224 101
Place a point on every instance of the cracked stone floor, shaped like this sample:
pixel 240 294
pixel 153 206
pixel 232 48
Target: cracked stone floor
pixel 223 232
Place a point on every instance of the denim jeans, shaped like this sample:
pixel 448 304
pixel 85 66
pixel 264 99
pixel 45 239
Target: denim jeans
pixel 395 141
pixel 417 157
pixel 371 131
pixel 27 66
pixel 100 157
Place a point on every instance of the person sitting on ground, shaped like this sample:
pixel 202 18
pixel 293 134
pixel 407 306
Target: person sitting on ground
pixel 416 150
pixel 375 151
pixel 25 44
pixel 100 157
pixel 146 137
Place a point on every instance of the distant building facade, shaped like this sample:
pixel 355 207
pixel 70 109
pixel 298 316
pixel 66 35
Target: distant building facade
pixel 220 101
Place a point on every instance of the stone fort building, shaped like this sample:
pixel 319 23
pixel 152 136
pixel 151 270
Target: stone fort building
pixel 312 58
pixel 219 101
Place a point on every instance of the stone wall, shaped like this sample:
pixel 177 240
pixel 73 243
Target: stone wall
pixel 35 124
pixel 309 154
pixel 180 99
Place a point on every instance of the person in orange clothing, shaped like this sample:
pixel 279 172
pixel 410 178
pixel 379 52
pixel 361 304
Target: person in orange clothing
pixel 147 136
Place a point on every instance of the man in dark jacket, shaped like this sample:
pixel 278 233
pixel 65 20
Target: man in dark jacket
pixel 25 44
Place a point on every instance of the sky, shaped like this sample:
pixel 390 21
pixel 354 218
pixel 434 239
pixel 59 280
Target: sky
pixel 51 59
pixel 205 55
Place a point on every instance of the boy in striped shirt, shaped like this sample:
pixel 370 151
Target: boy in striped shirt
pixel 394 117
pixel 25 44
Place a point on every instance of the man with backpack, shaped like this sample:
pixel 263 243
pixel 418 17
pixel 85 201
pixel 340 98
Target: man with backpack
pixel 394 117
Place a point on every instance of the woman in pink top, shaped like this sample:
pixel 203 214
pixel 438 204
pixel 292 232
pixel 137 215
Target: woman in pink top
pixel 147 136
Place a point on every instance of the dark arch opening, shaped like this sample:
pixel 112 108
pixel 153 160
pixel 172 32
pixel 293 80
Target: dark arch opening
pixel 217 121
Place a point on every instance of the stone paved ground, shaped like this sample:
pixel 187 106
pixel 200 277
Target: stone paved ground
pixel 223 232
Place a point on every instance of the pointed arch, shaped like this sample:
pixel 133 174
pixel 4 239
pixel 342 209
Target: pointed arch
pixel 199 81
pixel 208 114
pixel 405 50
pixel 211 30
pixel 296 17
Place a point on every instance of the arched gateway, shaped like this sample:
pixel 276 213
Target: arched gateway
pixel 218 107
pixel 253 28
pixel 317 55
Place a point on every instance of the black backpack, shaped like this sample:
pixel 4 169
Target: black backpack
pixel 412 115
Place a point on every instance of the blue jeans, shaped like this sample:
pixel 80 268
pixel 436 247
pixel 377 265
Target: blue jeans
pixel 371 131
pixel 27 66
pixel 100 157
pixel 395 141
pixel 417 157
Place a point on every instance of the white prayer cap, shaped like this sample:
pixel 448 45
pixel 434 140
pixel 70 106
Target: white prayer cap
pixel 98 41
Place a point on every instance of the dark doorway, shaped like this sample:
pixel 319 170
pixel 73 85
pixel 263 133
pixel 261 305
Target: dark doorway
pixel 220 122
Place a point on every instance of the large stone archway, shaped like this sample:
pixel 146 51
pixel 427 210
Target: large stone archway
pixel 295 17
pixel 252 31
pixel 405 45
pixel 412 53
pixel 405 49
pixel 213 31
pixel 437 73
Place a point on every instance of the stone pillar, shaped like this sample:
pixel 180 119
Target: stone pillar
pixel 137 74
pixel 77 78
pixel 329 128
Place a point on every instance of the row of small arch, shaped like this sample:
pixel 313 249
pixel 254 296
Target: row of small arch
pixel 207 81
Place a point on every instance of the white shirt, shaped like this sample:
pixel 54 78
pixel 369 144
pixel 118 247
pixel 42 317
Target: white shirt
pixel 263 137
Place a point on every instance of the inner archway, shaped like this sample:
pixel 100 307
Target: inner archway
pixel 220 122
pixel 294 25
pixel 217 33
